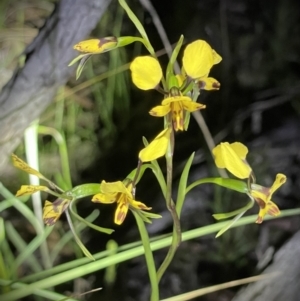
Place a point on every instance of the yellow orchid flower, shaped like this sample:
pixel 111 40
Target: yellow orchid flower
pixel 91 47
pixel 146 72
pixel 30 189
pixel 95 46
pixel 198 59
pixel 233 158
pixel 157 148
pixel 117 192
pixel 177 105
pixel 53 210
pixel 20 164
pixel 263 195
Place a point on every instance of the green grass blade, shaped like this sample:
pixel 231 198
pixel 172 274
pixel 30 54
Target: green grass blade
pixel 182 184
pixel 126 255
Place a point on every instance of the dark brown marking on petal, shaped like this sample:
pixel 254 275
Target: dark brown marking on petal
pixel 143 207
pixel 260 203
pixel 105 40
pixel 282 180
pixel 50 221
pixel 120 217
pixel 259 220
pixel 216 85
pixel 273 210
pixel 201 84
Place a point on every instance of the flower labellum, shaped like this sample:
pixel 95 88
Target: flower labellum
pixel 263 195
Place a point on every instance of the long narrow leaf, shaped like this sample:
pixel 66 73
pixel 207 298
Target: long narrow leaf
pixel 138 25
pixel 182 184
pixel 123 256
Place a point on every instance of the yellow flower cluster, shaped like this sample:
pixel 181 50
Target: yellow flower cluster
pixel 197 61
pixel 233 158
pixel 147 74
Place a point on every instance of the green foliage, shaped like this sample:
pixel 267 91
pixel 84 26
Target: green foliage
pixel 71 123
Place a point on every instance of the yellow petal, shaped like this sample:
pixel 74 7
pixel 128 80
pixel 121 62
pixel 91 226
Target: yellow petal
pixel 259 195
pixel 139 205
pixel 171 99
pixel 157 148
pixel 53 211
pixel 216 57
pixel 146 72
pixel 113 187
pixel 232 157
pixel 121 212
pixel 270 208
pixel 209 83
pixel 177 115
pixel 160 111
pixel 17 162
pixel 198 59
pixel 192 106
pixel 280 180
pixel 240 149
pixel 30 189
pixel 103 198
pixel 97 45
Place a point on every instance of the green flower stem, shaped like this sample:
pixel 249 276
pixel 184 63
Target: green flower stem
pixel 63 151
pixel 77 239
pixel 149 257
pixel 80 267
pixel 232 184
pixel 176 236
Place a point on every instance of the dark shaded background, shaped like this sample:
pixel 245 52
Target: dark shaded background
pixel 258 105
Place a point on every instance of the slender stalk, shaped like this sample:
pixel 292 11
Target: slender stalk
pixel 84 250
pixel 149 257
pixel 66 272
pixel 31 145
pixel 63 151
pixel 176 236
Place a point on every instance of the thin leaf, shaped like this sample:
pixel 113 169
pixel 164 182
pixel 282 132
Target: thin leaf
pixel 229 225
pixel 141 172
pixel 170 67
pixel 138 25
pixel 77 239
pixel 232 184
pixel 79 57
pixel 182 184
pixel 93 226
pixel 81 65
pixel 76 269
